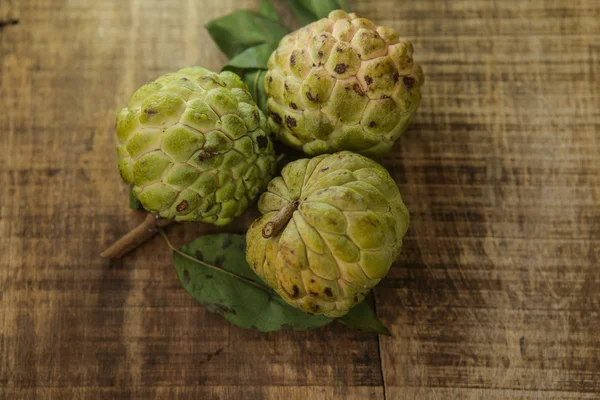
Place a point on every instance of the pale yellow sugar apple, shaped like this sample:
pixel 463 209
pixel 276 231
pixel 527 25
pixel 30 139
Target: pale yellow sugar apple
pixel 331 229
pixel 195 146
pixel 342 83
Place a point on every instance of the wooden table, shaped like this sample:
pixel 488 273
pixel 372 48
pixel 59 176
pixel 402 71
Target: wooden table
pixel 497 293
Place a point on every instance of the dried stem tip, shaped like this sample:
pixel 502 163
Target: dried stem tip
pixel 137 236
pixel 280 220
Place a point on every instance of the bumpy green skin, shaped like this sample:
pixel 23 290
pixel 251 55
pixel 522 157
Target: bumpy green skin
pixel 195 146
pixel 342 83
pixel 342 239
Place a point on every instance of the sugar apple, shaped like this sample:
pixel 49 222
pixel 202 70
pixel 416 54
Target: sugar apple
pixel 342 83
pixel 195 146
pixel 332 226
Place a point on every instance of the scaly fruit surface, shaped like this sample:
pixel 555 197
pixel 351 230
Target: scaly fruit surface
pixel 342 83
pixel 340 241
pixel 195 146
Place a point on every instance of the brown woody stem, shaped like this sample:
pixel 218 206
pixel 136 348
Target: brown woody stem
pixel 137 236
pixel 278 222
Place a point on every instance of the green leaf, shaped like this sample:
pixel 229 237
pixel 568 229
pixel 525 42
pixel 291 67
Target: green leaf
pixel 363 318
pixel 134 203
pixel 242 29
pixel 253 57
pixel 266 9
pixel 236 293
pixel 308 11
pixel 251 66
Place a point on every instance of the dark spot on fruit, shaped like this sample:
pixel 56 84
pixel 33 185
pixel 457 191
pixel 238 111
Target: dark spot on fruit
pixel 324 36
pixel 323 170
pixel 408 81
pixel 356 87
pixel 276 117
pixel 314 65
pixel 312 281
pixel 293 60
pixel 296 291
pixel 372 124
pixel 285 85
pixel 206 155
pixel 396 77
pixel 328 292
pixel 355 299
pixel 368 79
pixel 294 106
pixel 384 96
pixel 270 79
pixel 313 293
pixel 340 68
pixel 290 122
pixel 316 307
pixel 311 98
pixel 182 206
pixel 320 54
pixel 339 49
pixel 150 111
pixel 184 79
pixel 262 141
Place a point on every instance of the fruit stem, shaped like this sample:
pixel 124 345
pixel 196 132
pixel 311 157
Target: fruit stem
pixel 137 236
pixel 280 220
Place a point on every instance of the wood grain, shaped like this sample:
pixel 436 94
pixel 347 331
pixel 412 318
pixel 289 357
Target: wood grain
pixel 497 293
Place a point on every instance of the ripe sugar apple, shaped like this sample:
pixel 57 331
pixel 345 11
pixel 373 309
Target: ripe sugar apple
pixel 342 83
pixel 332 226
pixel 195 146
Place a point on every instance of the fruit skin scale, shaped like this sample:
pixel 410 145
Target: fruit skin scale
pixel 195 146
pixel 340 241
pixel 342 83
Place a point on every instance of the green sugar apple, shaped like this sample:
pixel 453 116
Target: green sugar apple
pixel 195 146
pixel 342 83
pixel 331 228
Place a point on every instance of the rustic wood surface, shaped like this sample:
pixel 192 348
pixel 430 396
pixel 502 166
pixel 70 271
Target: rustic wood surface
pixel 497 293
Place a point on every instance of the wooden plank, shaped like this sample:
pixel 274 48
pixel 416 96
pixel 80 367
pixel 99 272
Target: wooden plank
pixel 73 324
pixel 497 294
pixel 8 13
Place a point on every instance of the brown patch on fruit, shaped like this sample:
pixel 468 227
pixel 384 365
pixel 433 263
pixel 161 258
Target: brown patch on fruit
pixel 270 79
pixel 262 142
pixel 340 68
pixel 290 122
pixel 408 81
pixel 339 50
pixel 184 79
pixel 207 155
pixel 294 106
pixel 311 98
pixel 356 87
pixel 313 293
pixel 276 117
pixel 150 111
pixel 320 54
pixel 328 292
pixel 384 96
pixel 293 60
pixel 368 79
pixel 296 291
pixel 323 170
pixel 372 124
pixel 396 77
pixel 182 206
